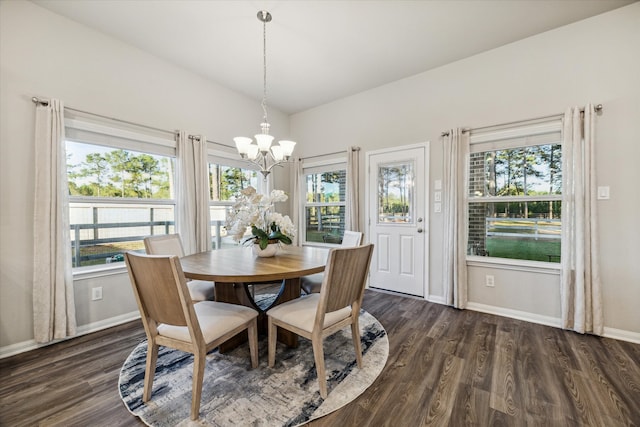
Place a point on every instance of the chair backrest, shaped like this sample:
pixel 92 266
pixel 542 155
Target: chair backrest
pixel 160 289
pixel 165 244
pixel 345 277
pixel 351 239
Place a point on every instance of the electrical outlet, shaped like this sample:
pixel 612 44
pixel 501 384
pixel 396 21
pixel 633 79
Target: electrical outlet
pixel 489 280
pixel 603 193
pixel 96 293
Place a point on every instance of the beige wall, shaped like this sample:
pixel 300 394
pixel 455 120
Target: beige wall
pixel 44 54
pixel 595 60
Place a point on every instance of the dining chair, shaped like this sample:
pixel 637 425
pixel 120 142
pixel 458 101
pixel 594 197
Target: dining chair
pixel 311 284
pixel 317 316
pixel 171 244
pixel 171 319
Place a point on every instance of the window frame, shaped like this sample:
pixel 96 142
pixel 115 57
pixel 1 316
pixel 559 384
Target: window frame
pixel 524 134
pixel 231 160
pixel 106 133
pixel 329 165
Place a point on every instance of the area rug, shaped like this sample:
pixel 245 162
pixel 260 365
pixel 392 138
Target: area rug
pixel 235 395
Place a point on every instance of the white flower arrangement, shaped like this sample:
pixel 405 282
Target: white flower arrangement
pixel 257 211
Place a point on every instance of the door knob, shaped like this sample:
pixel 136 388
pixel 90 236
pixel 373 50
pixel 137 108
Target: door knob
pixel 420 230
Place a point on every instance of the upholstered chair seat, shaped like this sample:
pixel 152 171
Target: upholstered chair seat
pixel 301 313
pixel 215 318
pixel 311 284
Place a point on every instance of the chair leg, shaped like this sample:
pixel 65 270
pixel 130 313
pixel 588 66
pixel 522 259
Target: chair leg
pixel 198 376
pixel 150 370
pixel 355 333
pixel 253 342
pixel 318 355
pixel 273 336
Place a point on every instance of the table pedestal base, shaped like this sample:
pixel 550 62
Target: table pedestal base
pixel 238 293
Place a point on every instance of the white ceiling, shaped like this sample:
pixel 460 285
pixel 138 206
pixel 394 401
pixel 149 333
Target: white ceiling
pixel 319 51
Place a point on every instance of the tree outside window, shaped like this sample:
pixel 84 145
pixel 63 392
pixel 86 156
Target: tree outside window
pixel 325 207
pixel 117 197
pixel 225 184
pixel 515 203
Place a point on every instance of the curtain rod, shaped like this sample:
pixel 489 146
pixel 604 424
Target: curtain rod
pixel 330 154
pixel 598 109
pixel 197 137
pixel 46 102
pixel 37 100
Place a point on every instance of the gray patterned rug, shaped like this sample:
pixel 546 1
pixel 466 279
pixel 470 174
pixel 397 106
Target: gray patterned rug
pixel 235 395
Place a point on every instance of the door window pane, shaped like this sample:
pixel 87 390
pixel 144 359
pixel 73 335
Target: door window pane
pixel 395 193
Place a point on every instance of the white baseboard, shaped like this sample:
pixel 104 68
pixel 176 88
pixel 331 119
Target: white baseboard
pixel 108 323
pixel 515 314
pixel 622 335
pixel 21 347
pixel 617 334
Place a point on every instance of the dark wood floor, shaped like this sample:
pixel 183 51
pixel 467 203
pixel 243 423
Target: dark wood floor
pixel 446 368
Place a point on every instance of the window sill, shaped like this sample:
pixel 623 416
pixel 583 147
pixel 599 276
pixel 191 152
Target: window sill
pixel 513 264
pixel 321 245
pixel 82 273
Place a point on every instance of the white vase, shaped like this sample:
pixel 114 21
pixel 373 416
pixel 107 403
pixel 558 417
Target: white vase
pixel 269 251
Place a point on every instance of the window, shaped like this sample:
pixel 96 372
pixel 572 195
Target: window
pixel 225 183
pixel 117 197
pixel 395 195
pixel 325 207
pixel 515 184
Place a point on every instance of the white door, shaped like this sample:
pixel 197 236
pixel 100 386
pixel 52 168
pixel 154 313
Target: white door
pixel 397 218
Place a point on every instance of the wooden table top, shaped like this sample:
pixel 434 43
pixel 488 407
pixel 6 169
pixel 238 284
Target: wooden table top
pixel 241 265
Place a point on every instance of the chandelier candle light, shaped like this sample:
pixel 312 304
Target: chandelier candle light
pixel 262 153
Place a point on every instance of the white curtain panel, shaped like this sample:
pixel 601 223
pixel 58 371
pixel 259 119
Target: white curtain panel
pixel 455 213
pixel 297 201
pixel 54 314
pixel 353 189
pixel 192 195
pixel 580 287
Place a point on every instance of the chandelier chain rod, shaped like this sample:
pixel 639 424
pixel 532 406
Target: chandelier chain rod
pixel 262 153
pixel 264 69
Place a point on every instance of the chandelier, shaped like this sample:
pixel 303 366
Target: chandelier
pixel 262 153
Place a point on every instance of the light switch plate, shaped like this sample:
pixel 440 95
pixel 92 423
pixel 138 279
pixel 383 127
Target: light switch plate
pixel 437 184
pixel 437 207
pixel 437 196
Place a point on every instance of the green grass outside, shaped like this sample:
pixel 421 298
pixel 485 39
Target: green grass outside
pixel 528 249
pixel 108 249
pixel 313 235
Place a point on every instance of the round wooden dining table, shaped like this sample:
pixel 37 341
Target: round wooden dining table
pixel 234 269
